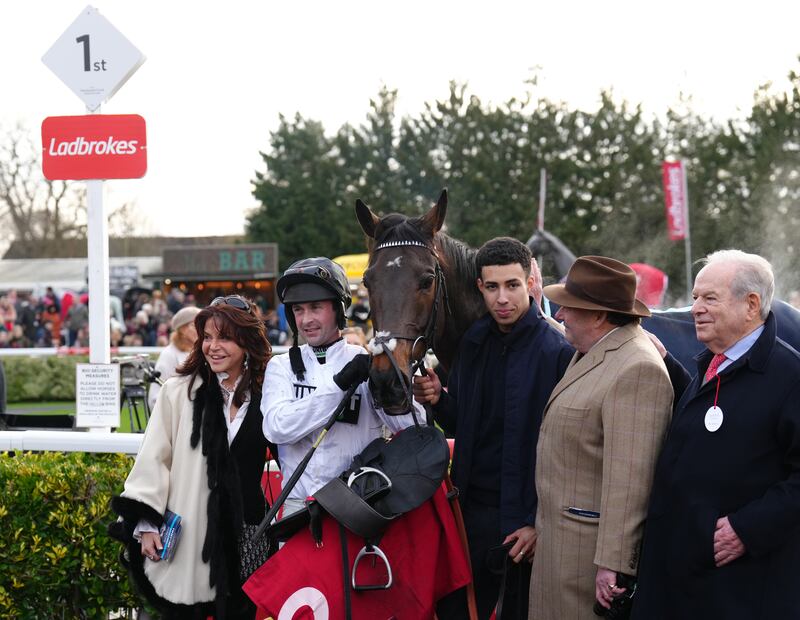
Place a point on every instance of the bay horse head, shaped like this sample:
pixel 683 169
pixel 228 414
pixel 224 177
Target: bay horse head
pixel 407 297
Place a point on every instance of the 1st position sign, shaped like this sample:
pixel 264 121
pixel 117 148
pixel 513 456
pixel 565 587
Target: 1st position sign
pixel 93 58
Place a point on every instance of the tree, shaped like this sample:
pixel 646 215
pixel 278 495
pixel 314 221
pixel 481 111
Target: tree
pixel 33 210
pixel 311 183
pixel 127 220
pixel 302 195
pixel 369 161
pixel 774 180
pixel 604 191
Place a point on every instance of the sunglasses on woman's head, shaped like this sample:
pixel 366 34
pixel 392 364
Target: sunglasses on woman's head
pixel 232 300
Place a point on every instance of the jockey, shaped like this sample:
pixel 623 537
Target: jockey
pixel 302 389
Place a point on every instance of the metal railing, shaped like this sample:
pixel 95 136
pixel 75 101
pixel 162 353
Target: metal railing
pixel 44 351
pixel 69 440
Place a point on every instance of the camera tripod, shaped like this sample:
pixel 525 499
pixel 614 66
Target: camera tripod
pixel 134 396
pixel 137 372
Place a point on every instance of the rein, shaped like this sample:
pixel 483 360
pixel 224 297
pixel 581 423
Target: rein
pixel 380 344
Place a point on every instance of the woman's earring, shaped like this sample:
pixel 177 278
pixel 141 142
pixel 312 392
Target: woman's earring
pixel 246 361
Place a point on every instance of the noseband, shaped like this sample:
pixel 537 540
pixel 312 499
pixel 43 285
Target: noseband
pixel 384 341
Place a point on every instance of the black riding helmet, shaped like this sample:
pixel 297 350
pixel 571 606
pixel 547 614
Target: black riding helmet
pixel 312 279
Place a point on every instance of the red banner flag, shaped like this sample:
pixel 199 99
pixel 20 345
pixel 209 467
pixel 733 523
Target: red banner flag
pixel 677 203
pixel 423 549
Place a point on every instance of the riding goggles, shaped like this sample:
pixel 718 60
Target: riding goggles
pixel 309 270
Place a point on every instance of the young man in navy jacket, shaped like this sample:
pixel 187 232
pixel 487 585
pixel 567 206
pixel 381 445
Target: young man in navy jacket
pixel 507 364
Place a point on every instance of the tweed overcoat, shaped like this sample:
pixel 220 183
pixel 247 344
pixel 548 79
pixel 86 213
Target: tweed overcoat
pixel 603 426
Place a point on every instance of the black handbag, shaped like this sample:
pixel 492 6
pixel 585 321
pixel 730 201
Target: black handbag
pixel 253 552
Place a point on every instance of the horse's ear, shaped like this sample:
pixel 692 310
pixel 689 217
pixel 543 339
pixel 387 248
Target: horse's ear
pixel 366 218
pixel 434 219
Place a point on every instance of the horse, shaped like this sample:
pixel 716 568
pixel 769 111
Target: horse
pixel 550 249
pixel 422 295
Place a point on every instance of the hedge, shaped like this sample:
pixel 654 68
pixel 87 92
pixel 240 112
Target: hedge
pixel 44 378
pixel 56 558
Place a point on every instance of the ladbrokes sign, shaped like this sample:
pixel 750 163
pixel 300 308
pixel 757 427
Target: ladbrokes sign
pixel 94 146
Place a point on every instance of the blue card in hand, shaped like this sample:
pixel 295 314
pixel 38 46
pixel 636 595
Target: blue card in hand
pixel 170 535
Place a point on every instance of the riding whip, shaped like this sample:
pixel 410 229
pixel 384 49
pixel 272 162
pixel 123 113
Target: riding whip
pixel 301 467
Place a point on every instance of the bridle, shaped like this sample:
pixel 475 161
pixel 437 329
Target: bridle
pixel 382 341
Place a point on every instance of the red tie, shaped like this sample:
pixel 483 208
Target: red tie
pixel 711 371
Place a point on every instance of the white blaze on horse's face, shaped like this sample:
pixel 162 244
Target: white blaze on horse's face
pixel 395 262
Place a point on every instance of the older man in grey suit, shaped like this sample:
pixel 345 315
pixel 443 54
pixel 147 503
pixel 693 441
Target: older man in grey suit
pixel 603 426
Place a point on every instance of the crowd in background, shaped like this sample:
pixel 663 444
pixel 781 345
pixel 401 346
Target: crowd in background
pixel 140 318
pixel 30 321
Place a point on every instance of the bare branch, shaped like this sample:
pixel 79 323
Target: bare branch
pixel 33 209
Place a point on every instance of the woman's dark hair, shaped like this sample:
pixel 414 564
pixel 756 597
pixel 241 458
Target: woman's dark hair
pixel 246 330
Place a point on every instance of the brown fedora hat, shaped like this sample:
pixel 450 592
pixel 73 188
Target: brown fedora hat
pixel 599 283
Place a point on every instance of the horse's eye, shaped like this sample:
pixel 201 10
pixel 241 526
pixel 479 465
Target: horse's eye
pixel 365 283
pixel 426 282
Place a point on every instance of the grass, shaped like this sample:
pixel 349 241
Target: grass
pixel 66 408
pixel 53 407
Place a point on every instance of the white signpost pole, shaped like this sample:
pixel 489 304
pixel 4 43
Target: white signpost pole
pixel 99 296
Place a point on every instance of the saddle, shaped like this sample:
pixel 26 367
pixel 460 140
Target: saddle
pixel 388 479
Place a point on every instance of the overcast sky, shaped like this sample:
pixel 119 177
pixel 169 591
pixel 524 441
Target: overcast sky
pixel 217 75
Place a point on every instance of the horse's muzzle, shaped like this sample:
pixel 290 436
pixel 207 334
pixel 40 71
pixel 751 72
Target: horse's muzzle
pixel 387 391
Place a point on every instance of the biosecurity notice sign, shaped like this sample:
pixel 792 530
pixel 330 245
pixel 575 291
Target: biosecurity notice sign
pixel 94 146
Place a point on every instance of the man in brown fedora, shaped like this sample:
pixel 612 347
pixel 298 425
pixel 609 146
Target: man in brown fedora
pixel 600 436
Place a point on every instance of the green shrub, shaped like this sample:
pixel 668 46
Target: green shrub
pixel 40 378
pixel 56 559
pixel 61 377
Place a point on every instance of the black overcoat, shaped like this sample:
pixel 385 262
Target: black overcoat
pixel 748 470
pixel 537 357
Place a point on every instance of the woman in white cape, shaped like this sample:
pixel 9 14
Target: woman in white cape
pixel 202 458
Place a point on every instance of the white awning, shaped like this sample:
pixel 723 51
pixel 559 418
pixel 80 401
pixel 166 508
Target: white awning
pixel 34 274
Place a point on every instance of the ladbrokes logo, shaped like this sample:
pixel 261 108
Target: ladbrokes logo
pixel 81 146
pixel 94 146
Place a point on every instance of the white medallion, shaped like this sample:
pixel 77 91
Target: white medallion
pixel 713 419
